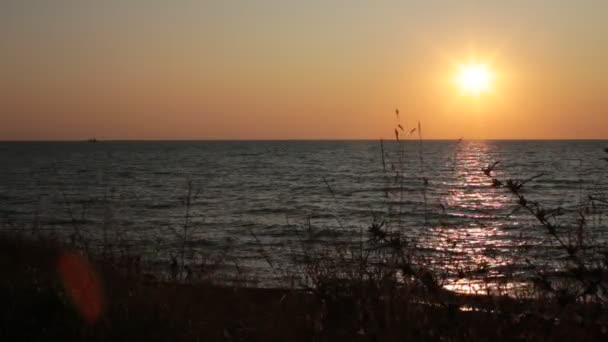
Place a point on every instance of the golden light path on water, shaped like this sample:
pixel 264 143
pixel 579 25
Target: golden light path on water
pixel 471 243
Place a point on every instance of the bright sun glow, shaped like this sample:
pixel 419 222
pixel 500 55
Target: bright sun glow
pixel 474 78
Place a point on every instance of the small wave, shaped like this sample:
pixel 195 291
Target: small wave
pixel 11 212
pixel 64 222
pixel 125 174
pixel 265 211
pixel 160 206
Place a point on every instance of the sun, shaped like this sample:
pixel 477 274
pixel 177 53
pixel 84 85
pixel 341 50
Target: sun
pixel 474 78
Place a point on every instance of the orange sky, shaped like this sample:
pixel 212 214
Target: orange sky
pixel 300 70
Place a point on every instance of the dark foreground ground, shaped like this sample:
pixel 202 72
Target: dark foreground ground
pixel 49 293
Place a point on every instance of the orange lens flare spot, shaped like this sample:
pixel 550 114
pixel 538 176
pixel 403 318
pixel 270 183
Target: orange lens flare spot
pixel 82 284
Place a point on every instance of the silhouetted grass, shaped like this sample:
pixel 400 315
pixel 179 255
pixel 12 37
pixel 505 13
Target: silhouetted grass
pixel 583 275
pixel 37 306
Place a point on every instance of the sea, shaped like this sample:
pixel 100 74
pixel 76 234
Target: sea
pixel 254 208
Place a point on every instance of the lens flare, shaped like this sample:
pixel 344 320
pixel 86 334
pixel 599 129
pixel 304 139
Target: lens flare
pixel 82 285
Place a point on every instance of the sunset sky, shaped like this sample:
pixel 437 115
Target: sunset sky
pixel 300 70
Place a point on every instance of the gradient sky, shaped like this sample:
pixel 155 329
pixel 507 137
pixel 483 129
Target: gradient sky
pixel 299 70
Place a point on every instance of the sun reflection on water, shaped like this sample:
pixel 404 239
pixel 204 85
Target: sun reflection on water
pixel 471 244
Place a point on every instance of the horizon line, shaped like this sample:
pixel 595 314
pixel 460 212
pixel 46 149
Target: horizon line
pixel 298 139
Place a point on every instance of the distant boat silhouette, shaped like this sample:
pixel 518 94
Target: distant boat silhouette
pixel 92 140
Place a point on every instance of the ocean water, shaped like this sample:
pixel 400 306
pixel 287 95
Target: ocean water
pixel 251 200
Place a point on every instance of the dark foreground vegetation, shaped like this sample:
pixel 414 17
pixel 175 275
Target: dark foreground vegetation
pixel 51 293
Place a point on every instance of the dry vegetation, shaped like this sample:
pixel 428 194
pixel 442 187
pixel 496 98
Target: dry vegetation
pixel 38 305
